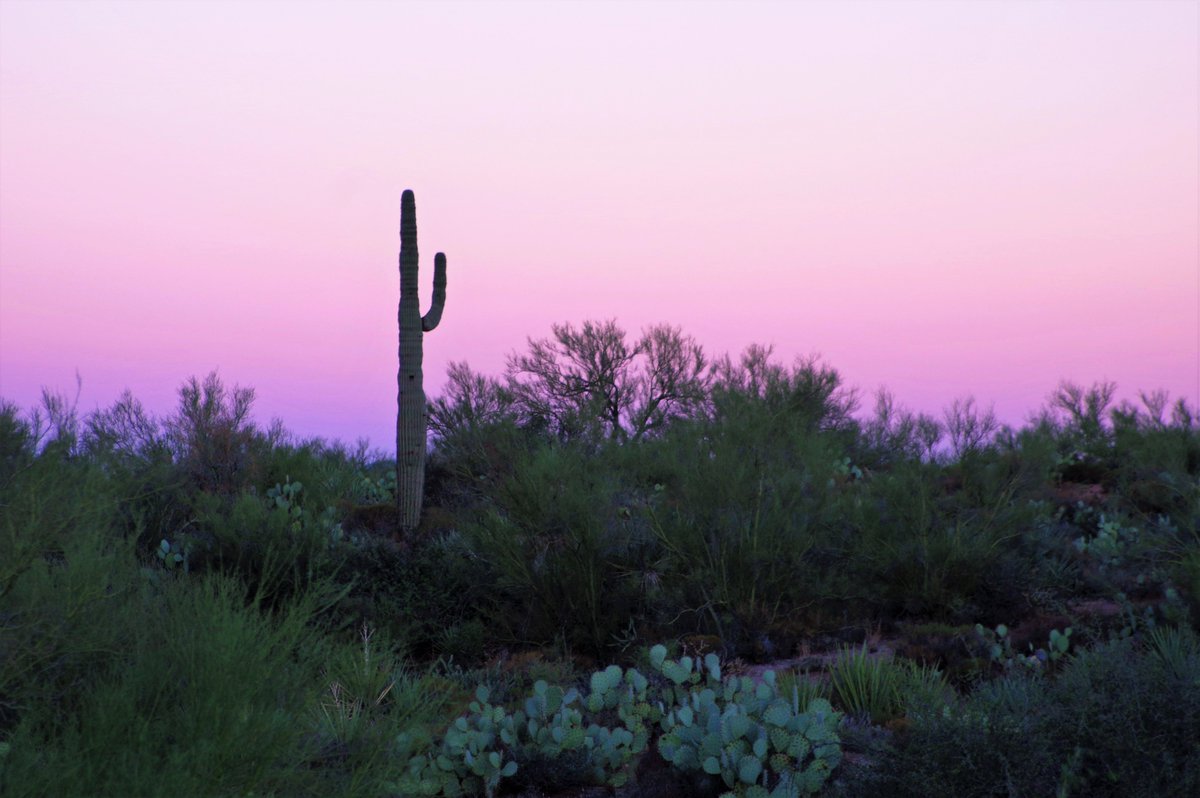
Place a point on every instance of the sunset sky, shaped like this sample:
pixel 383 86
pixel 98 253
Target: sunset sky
pixel 945 198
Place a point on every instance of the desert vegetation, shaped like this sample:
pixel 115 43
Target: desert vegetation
pixel 640 571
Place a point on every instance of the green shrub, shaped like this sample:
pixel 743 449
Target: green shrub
pixel 206 690
pixel 1117 721
pixel 414 596
pixel 271 543
pixel 215 443
pixel 915 553
pixel 742 527
pixel 1000 740
pixel 560 552
pixel 1136 717
pixel 65 575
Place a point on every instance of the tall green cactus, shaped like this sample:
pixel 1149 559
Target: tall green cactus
pixel 411 419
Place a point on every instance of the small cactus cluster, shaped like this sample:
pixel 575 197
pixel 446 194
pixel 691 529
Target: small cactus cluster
pixel 760 744
pixel 1111 544
pixel 470 761
pixel 1000 650
pixel 482 748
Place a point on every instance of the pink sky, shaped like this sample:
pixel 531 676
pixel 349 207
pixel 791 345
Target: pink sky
pixel 946 198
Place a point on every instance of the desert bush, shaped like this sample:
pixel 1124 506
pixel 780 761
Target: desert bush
pixel 415 595
pixel 205 691
pixel 896 435
pixel 213 438
pixel 124 434
pixel 273 544
pixel 372 695
pixel 915 554
pixel 592 382
pixel 130 447
pixel 558 546
pixel 866 686
pixel 809 395
pixel 479 438
pixel 1001 740
pixel 1158 461
pixel 1134 718
pixel 1083 415
pixel 968 428
pixel 1119 720
pixel 741 521
pixel 17 444
pixel 64 571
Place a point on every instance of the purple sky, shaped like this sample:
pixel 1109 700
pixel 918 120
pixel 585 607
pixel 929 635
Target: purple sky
pixel 944 198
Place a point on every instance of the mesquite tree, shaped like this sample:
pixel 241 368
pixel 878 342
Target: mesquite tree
pixel 411 417
pixel 592 379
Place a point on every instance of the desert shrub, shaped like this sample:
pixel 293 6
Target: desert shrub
pixel 866 686
pixel 332 474
pixel 809 395
pixel 742 505
pixel 1185 571
pixel 741 526
pixel 803 688
pixel 130 447
pixel 896 435
pixel 1083 416
pixel 883 688
pixel 1034 449
pixel 1119 720
pixel 213 438
pixel 204 698
pixel 272 544
pixel 969 429
pixel 915 554
pixel 63 572
pixel 479 439
pixel 557 545
pixel 1001 740
pixel 124 435
pixel 17 444
pixel 412 595
pixel 591 382
pixel 370 695
pixel 1134 718
pixel 1159 461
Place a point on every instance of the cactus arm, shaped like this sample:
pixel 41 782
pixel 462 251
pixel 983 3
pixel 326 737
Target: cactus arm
pixel 430 320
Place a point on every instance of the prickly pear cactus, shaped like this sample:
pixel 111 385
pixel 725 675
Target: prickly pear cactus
pixel 411 420
pixel 760 744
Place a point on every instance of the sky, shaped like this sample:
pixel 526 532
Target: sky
pixel 948 199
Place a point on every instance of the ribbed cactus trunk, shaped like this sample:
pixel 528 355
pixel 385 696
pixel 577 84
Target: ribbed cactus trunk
pixel 411 420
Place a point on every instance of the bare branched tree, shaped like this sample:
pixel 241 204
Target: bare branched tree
pixel 969 428
pixel 895 433
pixel 1084 411
pixel 1155 403
pixel 672 383
pixel 470 401
pixel 592 381
pixel 213 436
pixel 125 430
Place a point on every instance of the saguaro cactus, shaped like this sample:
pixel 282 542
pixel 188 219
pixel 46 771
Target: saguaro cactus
pixel 411 419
